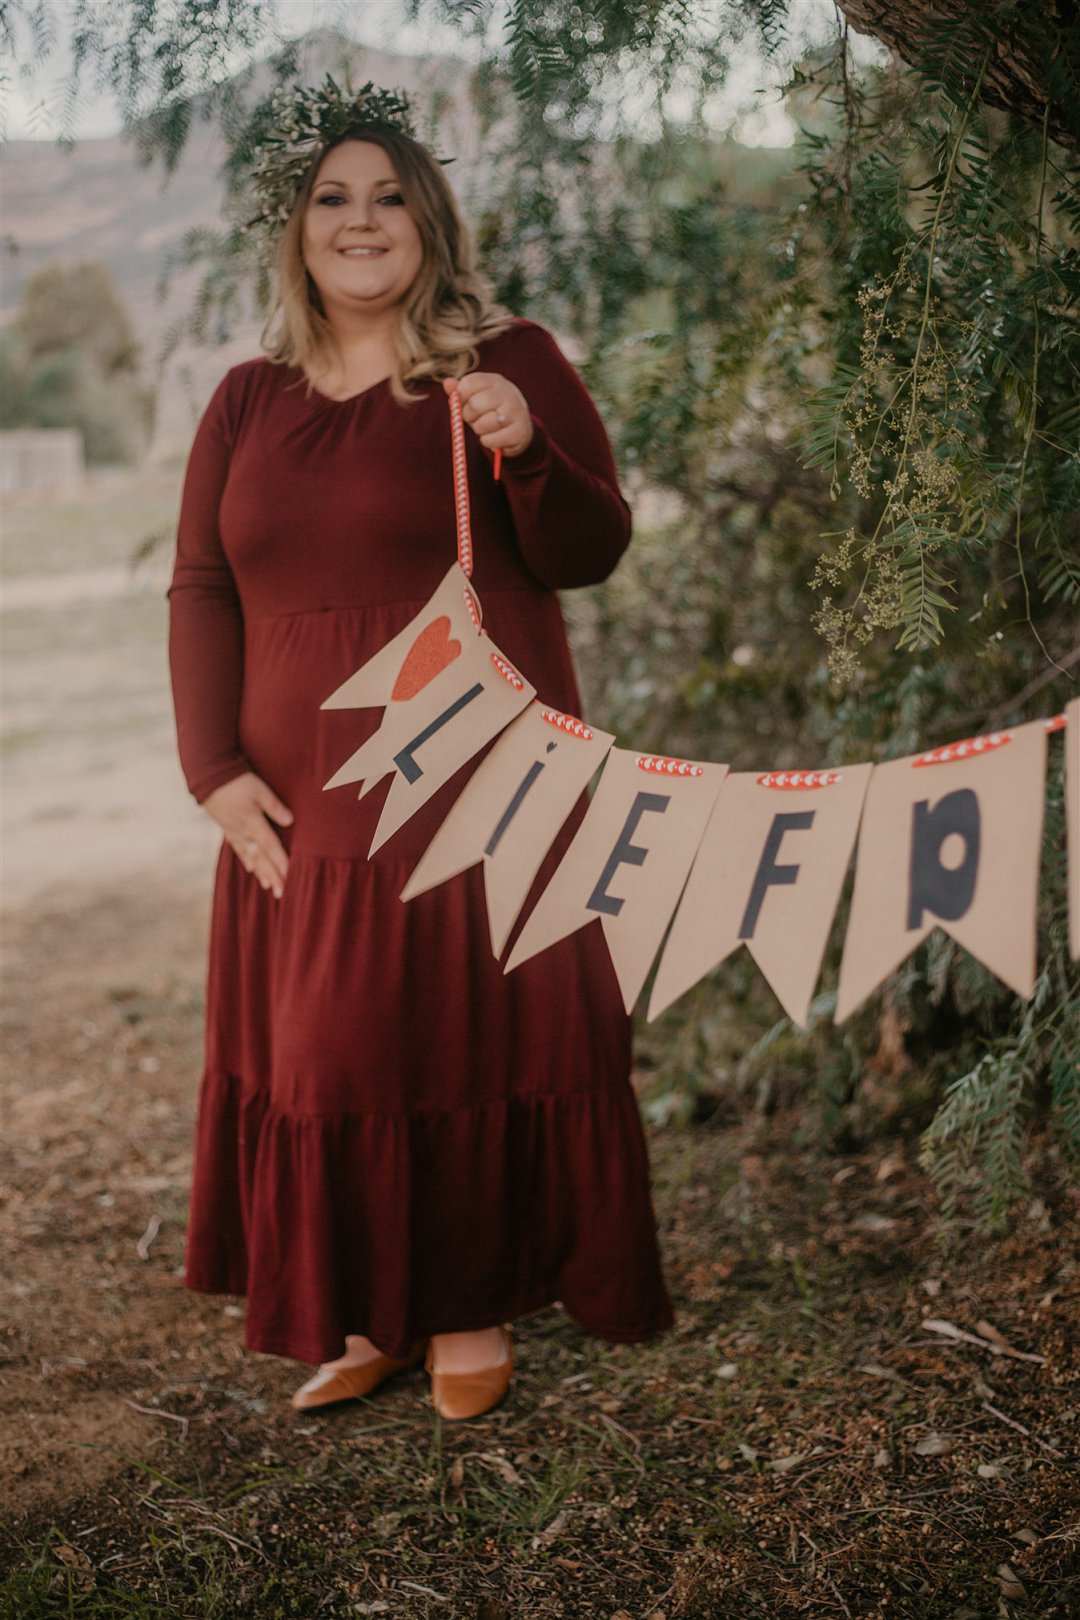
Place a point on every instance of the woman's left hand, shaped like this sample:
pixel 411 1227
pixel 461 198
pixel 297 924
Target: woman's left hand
pixel 495 409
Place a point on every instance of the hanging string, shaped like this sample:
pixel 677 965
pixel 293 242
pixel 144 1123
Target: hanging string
pixel 461 486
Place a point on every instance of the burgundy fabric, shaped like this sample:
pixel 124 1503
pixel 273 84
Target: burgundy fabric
pixel 393 1138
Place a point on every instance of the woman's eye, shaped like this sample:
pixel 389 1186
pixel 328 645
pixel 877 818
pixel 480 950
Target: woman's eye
pixel 393 197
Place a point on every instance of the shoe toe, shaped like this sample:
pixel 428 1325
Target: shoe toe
pixel 465 1395
pixel 330 1385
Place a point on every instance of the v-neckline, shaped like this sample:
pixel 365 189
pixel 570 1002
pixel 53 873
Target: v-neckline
pixel 347 399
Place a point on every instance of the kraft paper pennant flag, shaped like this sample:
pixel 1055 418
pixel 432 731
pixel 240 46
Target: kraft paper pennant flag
pixel 768 876
pixel 950 839
pixel 628 862
pixel 428 643
pixel 1072 818
pixel 425 738
pixel 511 810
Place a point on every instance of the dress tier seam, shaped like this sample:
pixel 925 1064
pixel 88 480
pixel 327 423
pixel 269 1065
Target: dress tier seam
pixel 391 602
pixel 617 1088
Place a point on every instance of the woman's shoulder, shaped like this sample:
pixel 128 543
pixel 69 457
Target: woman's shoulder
pixel 524 346
pixel 238 386
pixel 249 374
pixel 518 332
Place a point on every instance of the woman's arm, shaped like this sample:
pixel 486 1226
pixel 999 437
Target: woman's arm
pixel 206 625
pixel 571 521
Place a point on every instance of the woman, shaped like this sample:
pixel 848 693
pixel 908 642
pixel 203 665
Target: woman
pixel 397 1147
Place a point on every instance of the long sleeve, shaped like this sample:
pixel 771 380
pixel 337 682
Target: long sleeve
pixel 206 625
pixel 571 521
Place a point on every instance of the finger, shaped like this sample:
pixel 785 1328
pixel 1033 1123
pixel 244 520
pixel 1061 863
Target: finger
pixel 246 851
pixel 475 382
pixel 257 862
pixel 272 852
pixel 487 399
pixel 494 417
pixel 268 877
pixel 272 806
pixel 256 842
pixel 509 439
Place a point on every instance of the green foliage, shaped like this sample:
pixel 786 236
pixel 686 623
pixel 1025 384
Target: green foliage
pixel 877 350
pixel 79 305
pixel 70 359
pixel 161 62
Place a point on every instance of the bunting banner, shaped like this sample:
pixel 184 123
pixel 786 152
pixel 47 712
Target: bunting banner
pixel 768 875
pixel 450 698
pixel 950 839
pixel 627 863
pixel 428 642
pixel 511 809
pixel 947 839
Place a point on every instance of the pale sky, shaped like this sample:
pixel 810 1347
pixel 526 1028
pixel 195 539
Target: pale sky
pixel 32 106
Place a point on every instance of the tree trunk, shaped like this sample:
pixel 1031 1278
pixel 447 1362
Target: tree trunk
pixel 1035 58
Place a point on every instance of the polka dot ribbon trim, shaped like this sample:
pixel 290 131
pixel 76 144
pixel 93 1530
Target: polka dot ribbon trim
pixel 508 672
pixel 568 723
pixel 970 748
pixel 667 767
pixel 470 606
pixel 786 780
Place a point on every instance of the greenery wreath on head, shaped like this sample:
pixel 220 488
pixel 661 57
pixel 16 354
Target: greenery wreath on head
pixel 301 121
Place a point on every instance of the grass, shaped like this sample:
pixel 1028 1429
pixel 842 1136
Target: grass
pixel 105 524
pixel 85 680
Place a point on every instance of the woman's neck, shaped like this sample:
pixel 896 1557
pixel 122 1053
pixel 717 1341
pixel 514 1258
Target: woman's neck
pixel 355 358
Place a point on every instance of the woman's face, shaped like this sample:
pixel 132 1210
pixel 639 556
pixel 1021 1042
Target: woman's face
pixel 360 244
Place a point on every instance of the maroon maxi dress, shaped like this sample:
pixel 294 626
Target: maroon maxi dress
pixel 393 1138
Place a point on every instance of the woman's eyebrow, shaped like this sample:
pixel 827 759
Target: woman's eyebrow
pixel 343 184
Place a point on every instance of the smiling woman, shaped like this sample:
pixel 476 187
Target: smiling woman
pixel 362 248
pixel 414 308
pixel 398 1146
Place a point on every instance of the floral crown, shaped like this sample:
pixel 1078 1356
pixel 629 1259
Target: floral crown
pixel 298 122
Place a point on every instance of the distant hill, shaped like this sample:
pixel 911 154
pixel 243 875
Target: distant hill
pixel 97 202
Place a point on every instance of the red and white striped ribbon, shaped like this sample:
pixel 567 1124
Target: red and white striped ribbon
pixel 461 486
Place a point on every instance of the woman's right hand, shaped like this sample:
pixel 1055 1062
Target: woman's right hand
pixel 241 808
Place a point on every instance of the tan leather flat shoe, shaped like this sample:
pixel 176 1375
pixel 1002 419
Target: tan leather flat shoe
pixel 468 1394
pixel 327 1388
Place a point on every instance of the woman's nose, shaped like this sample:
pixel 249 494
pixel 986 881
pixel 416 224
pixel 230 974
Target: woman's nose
pixel 358 215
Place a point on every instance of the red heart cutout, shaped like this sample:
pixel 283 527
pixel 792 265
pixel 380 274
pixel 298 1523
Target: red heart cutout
pixel 430 653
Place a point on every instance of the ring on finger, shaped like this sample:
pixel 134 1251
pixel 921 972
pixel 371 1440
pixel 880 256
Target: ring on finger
pixel 500 417
pixel 251 847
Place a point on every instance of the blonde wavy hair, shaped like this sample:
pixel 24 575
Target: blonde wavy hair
pixel 446 313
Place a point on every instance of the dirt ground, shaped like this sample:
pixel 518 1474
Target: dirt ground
pixel 847 1419
pixel 844 1421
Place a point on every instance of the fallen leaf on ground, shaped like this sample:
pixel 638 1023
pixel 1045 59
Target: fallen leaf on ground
pixel 936 1445
pixel 871 1222
pixel 780 1465
pixel 1011 1584
pixel 987 1330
